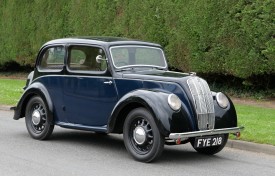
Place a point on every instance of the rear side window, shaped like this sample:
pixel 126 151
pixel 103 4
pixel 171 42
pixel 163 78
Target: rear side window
pixel 83 58
pixel 52 58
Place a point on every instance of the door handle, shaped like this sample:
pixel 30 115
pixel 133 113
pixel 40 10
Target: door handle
pixel 108 82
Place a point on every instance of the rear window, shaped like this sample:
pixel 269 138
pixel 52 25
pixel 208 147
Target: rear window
pixel 52 58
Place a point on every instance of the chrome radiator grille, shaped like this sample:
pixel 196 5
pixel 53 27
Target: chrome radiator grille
pixel 203 102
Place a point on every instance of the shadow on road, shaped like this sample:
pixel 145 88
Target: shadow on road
pixel 88 138
pixel 183 155
pixel 114 144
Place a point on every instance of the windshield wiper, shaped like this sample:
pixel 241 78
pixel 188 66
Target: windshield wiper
pixel 132 68
pixel 159 68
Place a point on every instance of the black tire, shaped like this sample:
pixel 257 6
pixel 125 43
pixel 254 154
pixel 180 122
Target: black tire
pixel 37 119
pixel 152 146
pixel 210 150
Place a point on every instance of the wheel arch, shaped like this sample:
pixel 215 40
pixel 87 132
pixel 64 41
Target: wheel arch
pixel 35 89
pixel 154 101
pixel 121 116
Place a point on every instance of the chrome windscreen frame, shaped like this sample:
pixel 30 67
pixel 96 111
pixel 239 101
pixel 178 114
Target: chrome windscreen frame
pixel 144 65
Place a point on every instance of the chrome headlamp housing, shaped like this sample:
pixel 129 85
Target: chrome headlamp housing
pixel 174 102
pixel 222 100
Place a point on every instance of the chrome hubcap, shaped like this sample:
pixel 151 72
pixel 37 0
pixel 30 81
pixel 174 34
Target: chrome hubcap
pixel 36 117
pixel 139 135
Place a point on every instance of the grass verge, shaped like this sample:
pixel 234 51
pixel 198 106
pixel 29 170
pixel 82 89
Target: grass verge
pixel 259 124
pixel 10 91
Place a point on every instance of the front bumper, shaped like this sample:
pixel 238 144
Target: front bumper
pixel 205 133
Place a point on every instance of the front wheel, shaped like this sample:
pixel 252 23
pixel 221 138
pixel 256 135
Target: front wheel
pixel 210 150
pixel 141 135
pixel 37 119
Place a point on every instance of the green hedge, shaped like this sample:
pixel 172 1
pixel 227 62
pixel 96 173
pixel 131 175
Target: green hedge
pixel 229 37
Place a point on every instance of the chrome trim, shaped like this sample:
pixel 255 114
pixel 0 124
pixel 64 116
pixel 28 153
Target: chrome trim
pixel 171 103
pixel 36 117
pixel 220 102
pixel 203 101
pixel 140 46
pixel 108 82
pixel 205 133
pixel 139 135
pixel 75 76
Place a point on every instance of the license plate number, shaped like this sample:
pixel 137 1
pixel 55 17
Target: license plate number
pixel 209 141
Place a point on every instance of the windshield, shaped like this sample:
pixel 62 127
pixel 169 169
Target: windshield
pixel 139 56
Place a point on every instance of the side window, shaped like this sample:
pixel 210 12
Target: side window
pixel 77 59
pixel 83 58
pixel 52 58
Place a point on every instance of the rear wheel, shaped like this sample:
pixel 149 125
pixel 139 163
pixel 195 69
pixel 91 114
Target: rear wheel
pixel 37 119
pixel 141 135
pixel 210 150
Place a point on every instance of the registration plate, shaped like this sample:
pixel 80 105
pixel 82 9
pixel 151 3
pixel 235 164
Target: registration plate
pixel 209 141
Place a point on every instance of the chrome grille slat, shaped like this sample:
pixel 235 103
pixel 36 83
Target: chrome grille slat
pixel 203 102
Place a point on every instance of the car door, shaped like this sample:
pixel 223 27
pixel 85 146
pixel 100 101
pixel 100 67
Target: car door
pixel 50 73
pixel 89 92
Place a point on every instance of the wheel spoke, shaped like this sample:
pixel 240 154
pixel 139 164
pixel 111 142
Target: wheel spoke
pixel 139 122
pixel 142 122
pixel 41 126
pixel 146 146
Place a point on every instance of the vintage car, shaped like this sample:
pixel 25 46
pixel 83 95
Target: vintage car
pixel 117 85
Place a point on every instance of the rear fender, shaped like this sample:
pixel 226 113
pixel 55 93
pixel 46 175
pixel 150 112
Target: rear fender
pixel 35 89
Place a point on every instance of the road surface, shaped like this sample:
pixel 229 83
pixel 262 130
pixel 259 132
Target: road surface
pixel 72 153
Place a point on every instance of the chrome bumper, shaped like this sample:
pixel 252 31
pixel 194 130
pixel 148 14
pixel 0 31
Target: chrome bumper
pixel 205 133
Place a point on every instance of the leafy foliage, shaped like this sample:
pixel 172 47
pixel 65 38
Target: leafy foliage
pixel 229 37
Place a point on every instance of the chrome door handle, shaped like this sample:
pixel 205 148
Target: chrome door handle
pixel 108 82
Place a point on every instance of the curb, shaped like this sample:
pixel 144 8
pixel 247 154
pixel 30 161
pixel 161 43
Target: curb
pixel 236 144
pixel 5 108
pixel 252 147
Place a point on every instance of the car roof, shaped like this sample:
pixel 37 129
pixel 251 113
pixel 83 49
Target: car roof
pixel 100 40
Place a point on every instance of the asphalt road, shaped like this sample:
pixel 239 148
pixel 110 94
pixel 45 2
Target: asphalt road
pixel 71 152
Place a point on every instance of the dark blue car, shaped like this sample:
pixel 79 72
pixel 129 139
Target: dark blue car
pixel 117 85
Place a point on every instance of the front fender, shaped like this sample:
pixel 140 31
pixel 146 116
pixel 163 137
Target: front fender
pixel 156 102
pixel 225 118
pixel 32 90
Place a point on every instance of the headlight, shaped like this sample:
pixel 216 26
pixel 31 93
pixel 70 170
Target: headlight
pixel 174 102
pixel 222 100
